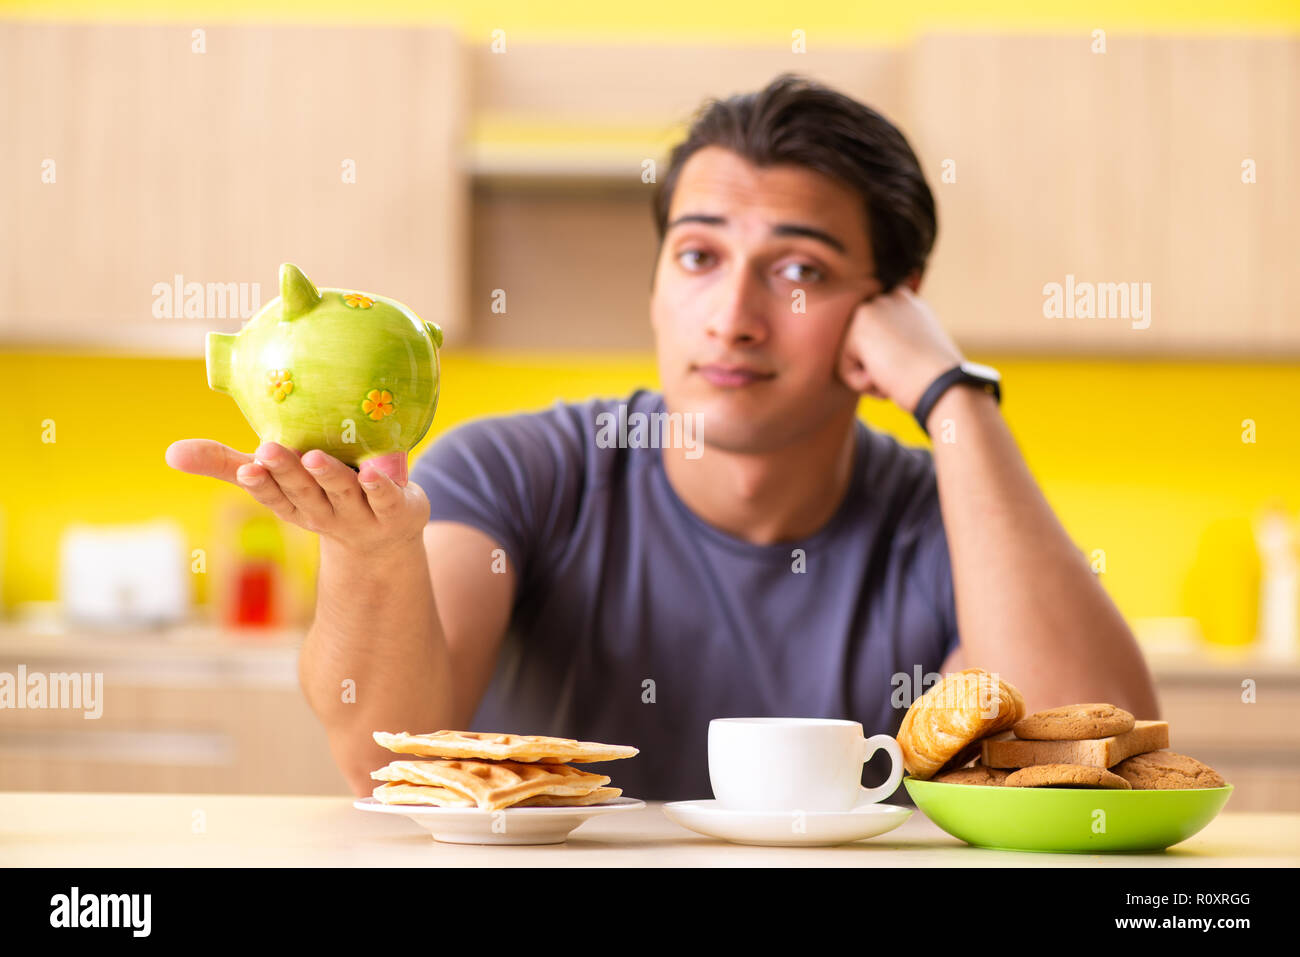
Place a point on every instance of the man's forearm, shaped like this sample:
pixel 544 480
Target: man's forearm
pixel 375 658
pixel 1028 605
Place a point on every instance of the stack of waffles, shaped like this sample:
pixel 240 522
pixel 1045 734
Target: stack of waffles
pixel 493 771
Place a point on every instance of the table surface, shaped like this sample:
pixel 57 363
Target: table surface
pixel 210 830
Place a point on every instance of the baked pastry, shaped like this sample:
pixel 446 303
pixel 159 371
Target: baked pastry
pixel 976 774
pixel 598 796
pixel 1066 776
pixel 1167 770
pixel 1074 722
pixel 495 746
pixel 400 793
pixel 493 784
pixel 960 709
pixel 962 758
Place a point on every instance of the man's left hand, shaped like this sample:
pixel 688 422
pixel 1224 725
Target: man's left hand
pixel 894 348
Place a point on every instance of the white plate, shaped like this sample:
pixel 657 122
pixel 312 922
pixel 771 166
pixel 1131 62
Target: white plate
pixel 512 825
pixel 787 828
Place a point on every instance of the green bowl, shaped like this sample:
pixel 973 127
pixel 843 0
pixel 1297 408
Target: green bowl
pixel 1071 820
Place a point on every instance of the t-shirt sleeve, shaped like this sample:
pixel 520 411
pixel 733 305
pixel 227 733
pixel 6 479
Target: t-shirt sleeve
pixel 514 478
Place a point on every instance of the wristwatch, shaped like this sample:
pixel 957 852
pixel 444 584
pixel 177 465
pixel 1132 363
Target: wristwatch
pixel 968 373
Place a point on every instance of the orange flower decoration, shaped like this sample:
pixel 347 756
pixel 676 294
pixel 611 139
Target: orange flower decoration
pixel 378 403
pixel 358 301
pixel 279 383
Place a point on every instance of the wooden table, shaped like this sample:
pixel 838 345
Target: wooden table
pixel 209 830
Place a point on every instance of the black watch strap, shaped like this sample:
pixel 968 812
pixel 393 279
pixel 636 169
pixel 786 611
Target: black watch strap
pixel 957 374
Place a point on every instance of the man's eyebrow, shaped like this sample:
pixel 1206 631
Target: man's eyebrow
pixel 780 229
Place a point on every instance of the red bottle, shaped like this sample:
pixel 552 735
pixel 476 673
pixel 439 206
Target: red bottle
pixel 255 593
pixel 254 598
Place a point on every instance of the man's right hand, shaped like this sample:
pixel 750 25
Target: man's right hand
pixel 317 492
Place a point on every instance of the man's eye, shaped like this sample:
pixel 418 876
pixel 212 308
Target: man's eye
pixel 816 273
pixel 690 252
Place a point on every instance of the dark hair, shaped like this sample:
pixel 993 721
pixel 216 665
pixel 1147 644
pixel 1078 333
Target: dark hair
pixel 797 120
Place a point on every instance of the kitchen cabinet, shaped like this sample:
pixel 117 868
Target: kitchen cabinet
pixel 1254 744
pixel 1124 167
pixel 1115 174
pixel 140 157
pixel 194 710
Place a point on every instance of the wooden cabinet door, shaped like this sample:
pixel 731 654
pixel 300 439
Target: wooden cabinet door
pixel 1115 167
pixel 134 154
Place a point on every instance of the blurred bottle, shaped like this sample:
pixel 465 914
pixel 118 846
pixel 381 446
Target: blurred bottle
pixel 1223 587
pixel 1279 595
pixel 255 595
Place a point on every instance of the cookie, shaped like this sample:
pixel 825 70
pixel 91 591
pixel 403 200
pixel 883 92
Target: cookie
pixel 1065 776
pixel 1167 771
pixel 976 774
pixel 1074 722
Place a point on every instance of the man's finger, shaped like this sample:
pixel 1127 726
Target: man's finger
pixel 295 482
pixel 851 370
pixel 257 481
pixel 385 497
pixel 205 457
pixel 340 485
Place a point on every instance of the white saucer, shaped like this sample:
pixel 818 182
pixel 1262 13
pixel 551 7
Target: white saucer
pixel 512 825
pixel 787 828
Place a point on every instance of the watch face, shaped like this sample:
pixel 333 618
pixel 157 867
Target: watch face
pixel 983 371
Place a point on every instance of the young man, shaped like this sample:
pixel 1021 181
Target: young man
pixel 773 556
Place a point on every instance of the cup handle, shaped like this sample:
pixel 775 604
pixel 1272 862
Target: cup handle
pixel 871 746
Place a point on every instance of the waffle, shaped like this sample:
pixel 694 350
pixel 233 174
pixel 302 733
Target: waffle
pixel 398 793
pixel 598 796
pixel 492 785
pixel 533 748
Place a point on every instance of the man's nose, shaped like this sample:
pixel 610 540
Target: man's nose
pixel 737 316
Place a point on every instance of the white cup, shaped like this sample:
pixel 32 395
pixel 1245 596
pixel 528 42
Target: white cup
pixel 795 764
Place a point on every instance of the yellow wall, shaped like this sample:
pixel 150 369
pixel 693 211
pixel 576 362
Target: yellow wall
pixel 1138 458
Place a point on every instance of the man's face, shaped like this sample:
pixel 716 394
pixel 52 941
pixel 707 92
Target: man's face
pixel 741 241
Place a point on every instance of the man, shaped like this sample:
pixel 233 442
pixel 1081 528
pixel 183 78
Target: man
pixel 769 555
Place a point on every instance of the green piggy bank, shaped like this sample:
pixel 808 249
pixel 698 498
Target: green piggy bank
pixel 350 373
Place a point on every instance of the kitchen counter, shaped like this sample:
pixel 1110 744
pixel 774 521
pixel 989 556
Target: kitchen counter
pixel 209 830
pixel 185 710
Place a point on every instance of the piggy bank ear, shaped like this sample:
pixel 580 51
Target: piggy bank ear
pixel 297 293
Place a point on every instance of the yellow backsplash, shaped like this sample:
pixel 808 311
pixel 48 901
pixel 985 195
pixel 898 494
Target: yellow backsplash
pixel 1138 458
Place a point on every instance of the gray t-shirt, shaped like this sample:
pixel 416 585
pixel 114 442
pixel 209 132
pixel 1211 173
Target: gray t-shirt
pixel 636 622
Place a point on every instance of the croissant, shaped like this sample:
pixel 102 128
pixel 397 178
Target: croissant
pixel 959 710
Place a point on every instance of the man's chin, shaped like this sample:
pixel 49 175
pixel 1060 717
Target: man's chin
pixel 745 422
pixel 726 429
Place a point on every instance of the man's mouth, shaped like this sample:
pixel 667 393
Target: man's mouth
pixel 732 377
